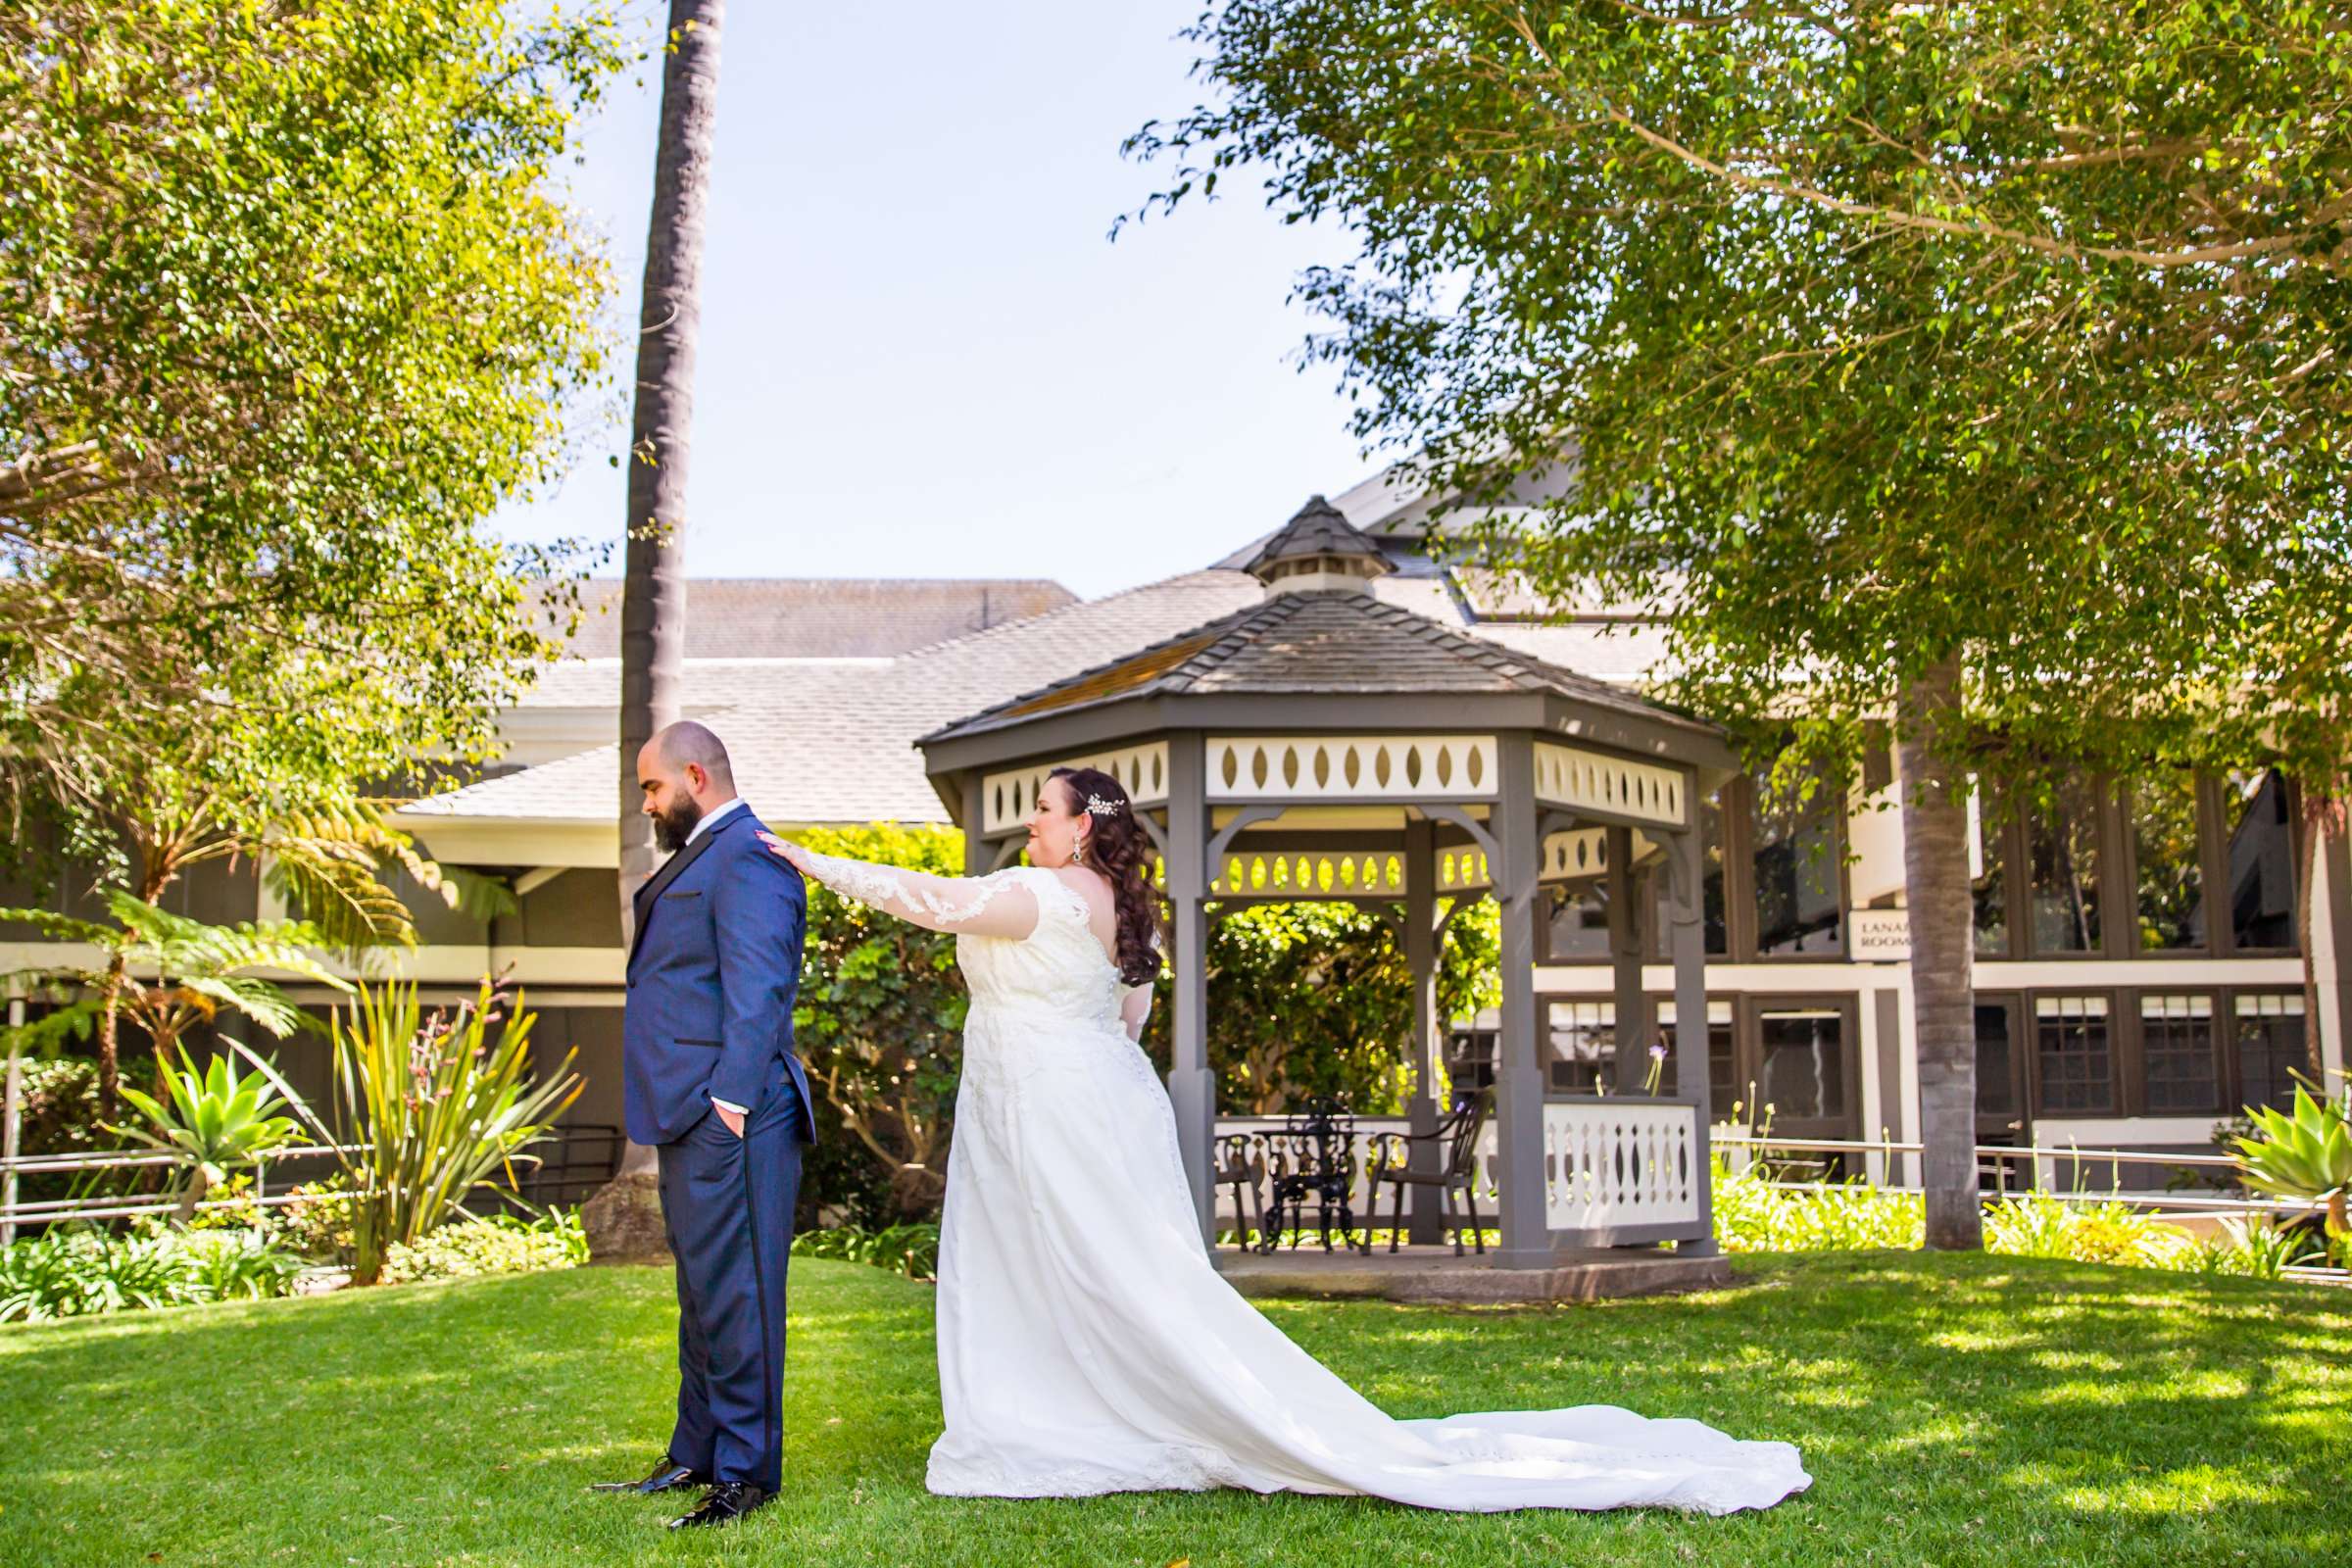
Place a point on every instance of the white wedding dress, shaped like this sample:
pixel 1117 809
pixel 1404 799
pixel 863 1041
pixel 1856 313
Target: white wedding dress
pixel 1087 1343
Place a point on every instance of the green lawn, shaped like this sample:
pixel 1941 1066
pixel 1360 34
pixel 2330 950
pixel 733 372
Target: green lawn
pixel 1952 1410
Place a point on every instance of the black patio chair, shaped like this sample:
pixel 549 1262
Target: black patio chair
pixel 1456 1140
pixel 1240 1164
pixel 1312 1157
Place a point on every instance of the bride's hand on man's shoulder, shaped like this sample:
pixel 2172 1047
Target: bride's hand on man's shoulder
pixel 786 850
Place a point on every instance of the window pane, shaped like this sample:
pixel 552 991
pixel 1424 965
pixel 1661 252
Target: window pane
pixel 1996 1076
pixel 2262 861
pixel 2072 1054
pixel 1992 886
pixel 2170 877
pixel 2271 1048
pixel 1803 1064
pixel 1583 1042
pixel 1722 1085
pixel 1577 930
pixel 1710 839
pixel 2062 851
pixel 2177 1048
pixel 1797 877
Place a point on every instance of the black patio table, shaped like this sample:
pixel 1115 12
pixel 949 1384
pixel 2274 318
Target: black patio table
pixel 1311 1158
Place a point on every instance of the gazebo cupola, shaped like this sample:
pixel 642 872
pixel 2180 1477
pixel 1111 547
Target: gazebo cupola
pixel 1318 551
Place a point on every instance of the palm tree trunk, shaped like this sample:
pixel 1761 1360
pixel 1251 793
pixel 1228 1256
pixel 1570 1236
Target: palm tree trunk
pixel 1942 952
pixel 2323 814
pixel 110 1020
pixel 653 606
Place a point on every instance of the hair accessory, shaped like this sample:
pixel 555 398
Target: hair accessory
pixel 1099 806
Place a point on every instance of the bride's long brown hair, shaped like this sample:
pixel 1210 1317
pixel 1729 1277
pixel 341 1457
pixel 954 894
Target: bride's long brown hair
pixel 1121 851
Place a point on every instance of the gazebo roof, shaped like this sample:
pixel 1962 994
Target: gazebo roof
pixel 1313 644
pixel 1319 530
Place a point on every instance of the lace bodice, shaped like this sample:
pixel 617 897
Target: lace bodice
pixel 1060 968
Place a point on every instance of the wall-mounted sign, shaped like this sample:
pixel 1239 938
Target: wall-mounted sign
pixel 1881 936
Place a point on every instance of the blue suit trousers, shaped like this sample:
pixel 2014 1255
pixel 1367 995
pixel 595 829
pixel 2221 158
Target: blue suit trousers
pixel 727 1204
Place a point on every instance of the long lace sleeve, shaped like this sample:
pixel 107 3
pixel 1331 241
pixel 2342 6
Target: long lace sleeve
pixel 996 905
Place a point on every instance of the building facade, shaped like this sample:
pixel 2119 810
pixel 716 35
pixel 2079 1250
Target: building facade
pixel 2144 944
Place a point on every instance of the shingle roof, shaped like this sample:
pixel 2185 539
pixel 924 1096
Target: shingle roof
pixel 802 617
pixel 834 741
pixel 1319 530
pixel 824 741
pixel 1337 643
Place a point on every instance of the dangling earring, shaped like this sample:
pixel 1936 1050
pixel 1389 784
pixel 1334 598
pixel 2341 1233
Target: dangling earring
pixel 1078 854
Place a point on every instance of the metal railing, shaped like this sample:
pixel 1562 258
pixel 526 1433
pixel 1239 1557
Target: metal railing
pixel 2004 1155
pixel 563 1174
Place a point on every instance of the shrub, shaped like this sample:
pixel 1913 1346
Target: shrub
pixel 911 1249
pixel 496 1243
pixel 318 1224
pixel 238 1265
pixel 2042 1225
pixel 1756 1215
pixel 79 1273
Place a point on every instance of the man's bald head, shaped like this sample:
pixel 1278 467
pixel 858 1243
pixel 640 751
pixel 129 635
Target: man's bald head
pixel 687 741
pixel 684 773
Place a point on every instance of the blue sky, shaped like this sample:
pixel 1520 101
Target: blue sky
pixel 920 354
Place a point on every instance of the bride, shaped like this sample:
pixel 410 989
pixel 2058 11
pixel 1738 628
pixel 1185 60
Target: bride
pixel 1087 1342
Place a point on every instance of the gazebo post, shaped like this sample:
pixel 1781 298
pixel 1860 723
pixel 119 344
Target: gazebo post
pixel 977 851
pixel 1191 1086
pixel 1421 939
pixel 1686 883
pixel 1518 1079
pixel 1625 959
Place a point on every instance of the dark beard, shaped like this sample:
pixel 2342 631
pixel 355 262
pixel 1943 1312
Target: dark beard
pixel 671 827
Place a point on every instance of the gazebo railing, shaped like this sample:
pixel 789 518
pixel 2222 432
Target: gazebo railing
pixel 1623 1168
pixel 1619 1169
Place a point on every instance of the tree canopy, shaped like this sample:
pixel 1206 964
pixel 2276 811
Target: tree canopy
pixel 1876 334
pixel 287 309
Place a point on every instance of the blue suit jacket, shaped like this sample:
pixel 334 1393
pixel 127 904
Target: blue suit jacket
pixel 713 970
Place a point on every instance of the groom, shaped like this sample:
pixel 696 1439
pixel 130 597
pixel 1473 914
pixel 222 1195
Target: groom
pixel 710 1082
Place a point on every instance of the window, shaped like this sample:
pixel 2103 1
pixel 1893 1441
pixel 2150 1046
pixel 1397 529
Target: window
pixel 2073 1058
pixel 2062 870
pixel 1583 1038
pixel 1996 1060
pixel 2258 851
pixel 2271 1048
pixel 1578 928
pixel 1797 876
pixel 1711 904
pixel 1989 818
pixel 1724 1088
pixel 2176 1052
pixel 2167 866
pixel 1801 1058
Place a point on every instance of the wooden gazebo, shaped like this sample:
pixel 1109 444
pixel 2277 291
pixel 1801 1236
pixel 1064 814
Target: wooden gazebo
pixel 1326 745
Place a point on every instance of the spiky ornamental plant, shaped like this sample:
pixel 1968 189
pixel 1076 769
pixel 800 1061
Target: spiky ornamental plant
pixel 2305 1155
pixel 216 1121
pixel 440 1105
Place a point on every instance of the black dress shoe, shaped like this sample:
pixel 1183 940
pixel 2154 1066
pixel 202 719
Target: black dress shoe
pixel 724 1503
pixel 667 1476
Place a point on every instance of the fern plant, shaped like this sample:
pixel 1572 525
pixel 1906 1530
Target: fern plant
pixel 174 973
pixel 331 866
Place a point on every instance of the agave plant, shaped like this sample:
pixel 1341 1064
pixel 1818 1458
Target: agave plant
pixel 440 1105
pixel 217 1120
pixel 2307 1155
